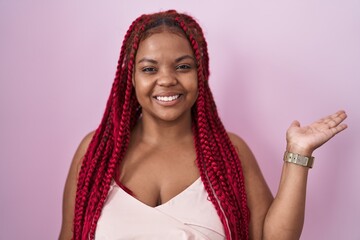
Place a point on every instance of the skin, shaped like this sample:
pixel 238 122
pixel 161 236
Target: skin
pixel 165 66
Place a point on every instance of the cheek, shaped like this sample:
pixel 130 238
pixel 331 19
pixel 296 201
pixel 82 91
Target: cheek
pixel 195 86
pixel 194 90
pixel 140 97
pixel 140 94
pixel 142 89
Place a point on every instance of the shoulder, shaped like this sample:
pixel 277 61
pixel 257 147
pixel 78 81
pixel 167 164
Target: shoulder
pixel 70 187
pixel 84 144
pixel 81 151
pixel 237 141
pixel 245 154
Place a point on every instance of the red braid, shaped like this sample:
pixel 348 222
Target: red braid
pixel 217 159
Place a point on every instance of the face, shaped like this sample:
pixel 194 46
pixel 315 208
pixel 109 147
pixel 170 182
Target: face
pixel 165 77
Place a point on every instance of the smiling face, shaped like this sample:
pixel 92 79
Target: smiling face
pixel 165 77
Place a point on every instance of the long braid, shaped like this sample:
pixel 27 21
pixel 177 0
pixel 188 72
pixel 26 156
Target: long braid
pixel 89 162
pixel 231 153
pixel 236 177
pixel 95 176
pixel 233 168
pixel 123 136
pixel 217 159
pixel 86 173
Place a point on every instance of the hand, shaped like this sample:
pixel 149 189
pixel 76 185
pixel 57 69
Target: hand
pixel 304 140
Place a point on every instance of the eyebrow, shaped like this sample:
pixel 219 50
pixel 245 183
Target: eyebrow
pixel 184 57
pixel 179 59
pixel 147 60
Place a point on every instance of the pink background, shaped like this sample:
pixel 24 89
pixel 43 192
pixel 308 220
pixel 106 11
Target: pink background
pixel 271 62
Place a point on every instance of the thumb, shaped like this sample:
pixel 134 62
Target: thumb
pixel 295 123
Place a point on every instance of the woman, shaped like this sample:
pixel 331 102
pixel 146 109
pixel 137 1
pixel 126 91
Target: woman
pixel 162 166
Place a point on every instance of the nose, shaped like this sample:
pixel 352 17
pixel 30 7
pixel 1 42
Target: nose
pixel 167 78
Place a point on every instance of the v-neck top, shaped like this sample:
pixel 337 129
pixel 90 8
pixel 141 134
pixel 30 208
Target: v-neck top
pixel 190 215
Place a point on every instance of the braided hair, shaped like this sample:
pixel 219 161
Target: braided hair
pixel 217 159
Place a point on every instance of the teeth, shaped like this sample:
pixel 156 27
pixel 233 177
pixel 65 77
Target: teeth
pixel 167 98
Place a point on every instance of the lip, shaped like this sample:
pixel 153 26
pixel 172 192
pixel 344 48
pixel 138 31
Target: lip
pixel 167 94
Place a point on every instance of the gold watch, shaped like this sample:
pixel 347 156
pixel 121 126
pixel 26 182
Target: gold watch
pixel 299 159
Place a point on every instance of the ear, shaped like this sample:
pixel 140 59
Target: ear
pixel 133 79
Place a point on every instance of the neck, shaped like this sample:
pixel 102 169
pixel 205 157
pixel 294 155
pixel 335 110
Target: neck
pixel 163 133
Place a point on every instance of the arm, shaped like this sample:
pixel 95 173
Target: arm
pixel 66 232
pixel 283 217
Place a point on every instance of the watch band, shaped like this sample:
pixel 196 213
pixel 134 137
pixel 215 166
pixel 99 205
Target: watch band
pixel 299 159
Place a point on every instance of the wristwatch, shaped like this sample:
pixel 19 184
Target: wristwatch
pixel 299 159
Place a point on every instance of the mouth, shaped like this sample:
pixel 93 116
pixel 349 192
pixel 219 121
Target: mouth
pixel 167 98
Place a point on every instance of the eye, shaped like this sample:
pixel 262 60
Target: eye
pixel 148 70
pixel 183 67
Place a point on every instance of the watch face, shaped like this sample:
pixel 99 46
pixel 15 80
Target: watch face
pixel 302 160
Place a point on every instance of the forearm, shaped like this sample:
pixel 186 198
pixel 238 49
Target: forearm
pixel 285 217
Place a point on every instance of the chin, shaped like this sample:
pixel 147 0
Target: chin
pixel 173 117
pixel 169 118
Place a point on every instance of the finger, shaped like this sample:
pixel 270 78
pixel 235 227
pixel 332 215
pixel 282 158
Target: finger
pixel 338 129
pixel 334 119
pixel 337 118
pixel 340 115
pixel 334 122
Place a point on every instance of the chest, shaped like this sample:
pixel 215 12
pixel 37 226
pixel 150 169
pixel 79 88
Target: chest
pixel 156 175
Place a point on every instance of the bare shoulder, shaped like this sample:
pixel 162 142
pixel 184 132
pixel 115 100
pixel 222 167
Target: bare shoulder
pixel 237 141
pixel 79 155
pixel 248 161
pixel 81 150
pixel 245 154
pixel 70 188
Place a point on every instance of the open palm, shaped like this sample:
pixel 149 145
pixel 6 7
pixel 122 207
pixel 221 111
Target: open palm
pixel 308 138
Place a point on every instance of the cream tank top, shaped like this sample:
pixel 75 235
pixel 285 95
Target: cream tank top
pixel 187 216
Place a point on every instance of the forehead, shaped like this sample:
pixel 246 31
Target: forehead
pixel 164 44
